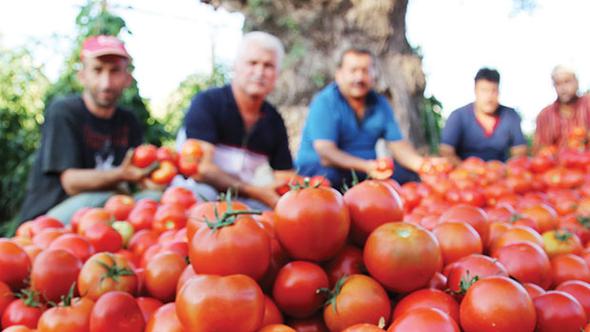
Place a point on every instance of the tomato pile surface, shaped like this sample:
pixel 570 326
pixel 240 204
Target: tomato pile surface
pixel 482 246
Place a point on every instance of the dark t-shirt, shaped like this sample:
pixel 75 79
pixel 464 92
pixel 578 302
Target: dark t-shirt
pixel 213 116
pixel 72 137
pixel 463 132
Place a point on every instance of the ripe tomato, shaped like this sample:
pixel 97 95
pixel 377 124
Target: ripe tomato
pixel 497 304
pixel 474 216
pixel 356 299
pixel 526 262
pixel 14 264
pixel 142 216
pixel 142 240
pixel 44 239
pixel 18 328
pixel 103 238
pixel 559 242
pixel 74 317
pixel 164 319
pixel 42 223
pixel 232 245
pixel 349 261
pixel 187 274
pixel 276 328
pixel 363 328
pixel 314 324
pixel 120 206
pixel 74 244
pixel 580 290
pixel 312 234
pixel 191 148
pixel 94 216
pixel 206 211
pixel 457 240
pixel 517 234
pixel 544 215
pixel 148 305
pixel 169 217
pixel 533 289
pixel 463 271
pixel 272 314
pixel 424 319
pixel 559 311
pixel 371 203
pixel 6 297
pixel 214 303
pixel 167 153
pixel 54 272
pixel 25 311
pixel 296 288
pixel 144 155
pixel 427 298
pixel 116 311
pixel 164 174
pixel 569 267
pixel 402 256
pixel 162 273
pixel 178 195
pixel 105 272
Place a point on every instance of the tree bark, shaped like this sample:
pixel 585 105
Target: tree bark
pixel 315 32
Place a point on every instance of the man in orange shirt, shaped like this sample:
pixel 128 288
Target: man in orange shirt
pixel 569 111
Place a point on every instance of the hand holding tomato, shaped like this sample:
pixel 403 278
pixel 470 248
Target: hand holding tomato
pixel 381 168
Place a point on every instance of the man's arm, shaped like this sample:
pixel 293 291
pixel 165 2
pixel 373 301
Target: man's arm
pixel 77 180
pixel 405 154
pixel 331 156
pixel 448 152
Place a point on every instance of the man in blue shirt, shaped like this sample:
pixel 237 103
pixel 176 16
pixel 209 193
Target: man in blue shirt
pixel 345 121
pixel 484 128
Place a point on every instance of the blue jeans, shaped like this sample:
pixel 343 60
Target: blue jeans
pixel 66 209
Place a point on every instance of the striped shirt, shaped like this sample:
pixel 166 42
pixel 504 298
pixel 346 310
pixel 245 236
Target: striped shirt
pixel 553 128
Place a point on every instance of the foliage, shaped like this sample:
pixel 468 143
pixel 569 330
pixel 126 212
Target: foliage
pixel 22 87
pixel 95 19
pixel 178 102
pixel 432 121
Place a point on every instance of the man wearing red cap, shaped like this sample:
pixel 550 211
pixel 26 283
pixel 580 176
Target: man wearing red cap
pixel 83 156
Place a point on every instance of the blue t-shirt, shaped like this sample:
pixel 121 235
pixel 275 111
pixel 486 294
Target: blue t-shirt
pixel 331 118
pixel 463 132
pixel 213 116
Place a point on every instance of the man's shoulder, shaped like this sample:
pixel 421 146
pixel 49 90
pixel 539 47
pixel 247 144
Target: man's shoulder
pixel 462 111
pixel 65 107
pixel 211 98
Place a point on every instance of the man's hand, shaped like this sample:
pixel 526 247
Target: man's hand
pixel 266 195
pixel 129 172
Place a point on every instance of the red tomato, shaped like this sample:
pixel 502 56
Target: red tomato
pixel 18 328
pixel 424 319
pixel 148 306
pixel 178 195
pixel 167 153
pixel 120 206
pixel 116 311
pixel 54 272
pixel 94 216
pixel 232 245
pixel 559 311
pixel 569 267
pixel 191 148
pixel 544 216
pixel 169 217
pixel 312 234
pixel 349 261
pixel 144 155
pixel 162 273
pixel 427 298
pixel 164 319
pixel 164 174
pixel 6 297
pixel 463 272
pixel 213 303
pixel 103 238
pixel 402 256
pixel 517 234
pixel 44 239
pixel 206 211
pixel 74 244
pixel 142 216
pixel 14 264
pixel 457 240
pixel 497 304
pixel 526 262
pixel 74 317
pixel 272 314
pixel 580 290
pixel 142 240
pixel 187 274
pixel 474 216
pixel 358 299
pixel 22 312
pixel 371 203
pixel 533 289
pixel 314 324
pixel 363 328
pixel 296 288
pixel 276 328
pixel 42 223
pixel 105 272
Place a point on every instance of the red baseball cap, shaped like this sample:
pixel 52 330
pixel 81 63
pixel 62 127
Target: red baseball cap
pixel 96 46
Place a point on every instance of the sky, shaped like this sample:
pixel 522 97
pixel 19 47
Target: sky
pixel 173 39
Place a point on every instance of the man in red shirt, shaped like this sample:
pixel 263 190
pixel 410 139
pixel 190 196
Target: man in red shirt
pixel 569 111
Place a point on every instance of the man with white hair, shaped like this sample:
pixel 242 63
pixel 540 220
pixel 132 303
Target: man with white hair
pixel 569 111
pixel 243 136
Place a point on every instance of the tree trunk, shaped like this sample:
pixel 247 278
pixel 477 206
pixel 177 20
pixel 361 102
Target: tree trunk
pixel 315 32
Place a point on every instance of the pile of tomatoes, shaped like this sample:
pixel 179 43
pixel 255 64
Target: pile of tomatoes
pixel 484 246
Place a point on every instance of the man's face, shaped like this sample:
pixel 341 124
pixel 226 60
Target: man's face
pixel 486 96
pixel 105 78
pixel 256 71
pixel 566 87
pixel 356 76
